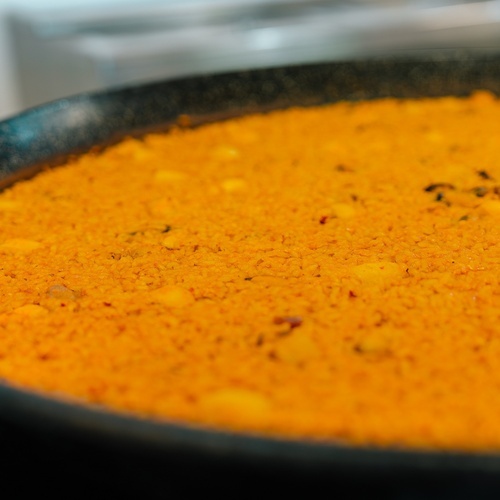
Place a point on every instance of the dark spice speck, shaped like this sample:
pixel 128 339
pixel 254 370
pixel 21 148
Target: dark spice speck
pixel 484 175
pixel 439 185
pixel 480 191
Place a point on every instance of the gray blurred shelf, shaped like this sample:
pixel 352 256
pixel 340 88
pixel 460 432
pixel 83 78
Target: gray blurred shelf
pixel 67 51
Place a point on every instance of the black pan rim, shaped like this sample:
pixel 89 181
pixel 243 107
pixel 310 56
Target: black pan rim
pixel 64 416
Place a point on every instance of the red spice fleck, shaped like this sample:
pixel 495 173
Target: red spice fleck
pixel 293 321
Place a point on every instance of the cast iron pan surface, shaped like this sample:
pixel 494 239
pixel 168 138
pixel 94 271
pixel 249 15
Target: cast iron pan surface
pixel 54 443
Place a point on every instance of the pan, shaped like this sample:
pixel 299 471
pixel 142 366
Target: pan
pixel 48 438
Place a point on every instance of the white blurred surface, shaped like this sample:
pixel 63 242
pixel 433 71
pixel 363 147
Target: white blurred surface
pixel 63 47
pixel 9 100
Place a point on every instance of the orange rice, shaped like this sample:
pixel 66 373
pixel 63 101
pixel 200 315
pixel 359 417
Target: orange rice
pixel 329 273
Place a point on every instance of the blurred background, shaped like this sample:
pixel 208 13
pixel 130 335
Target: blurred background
pixel 55 48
